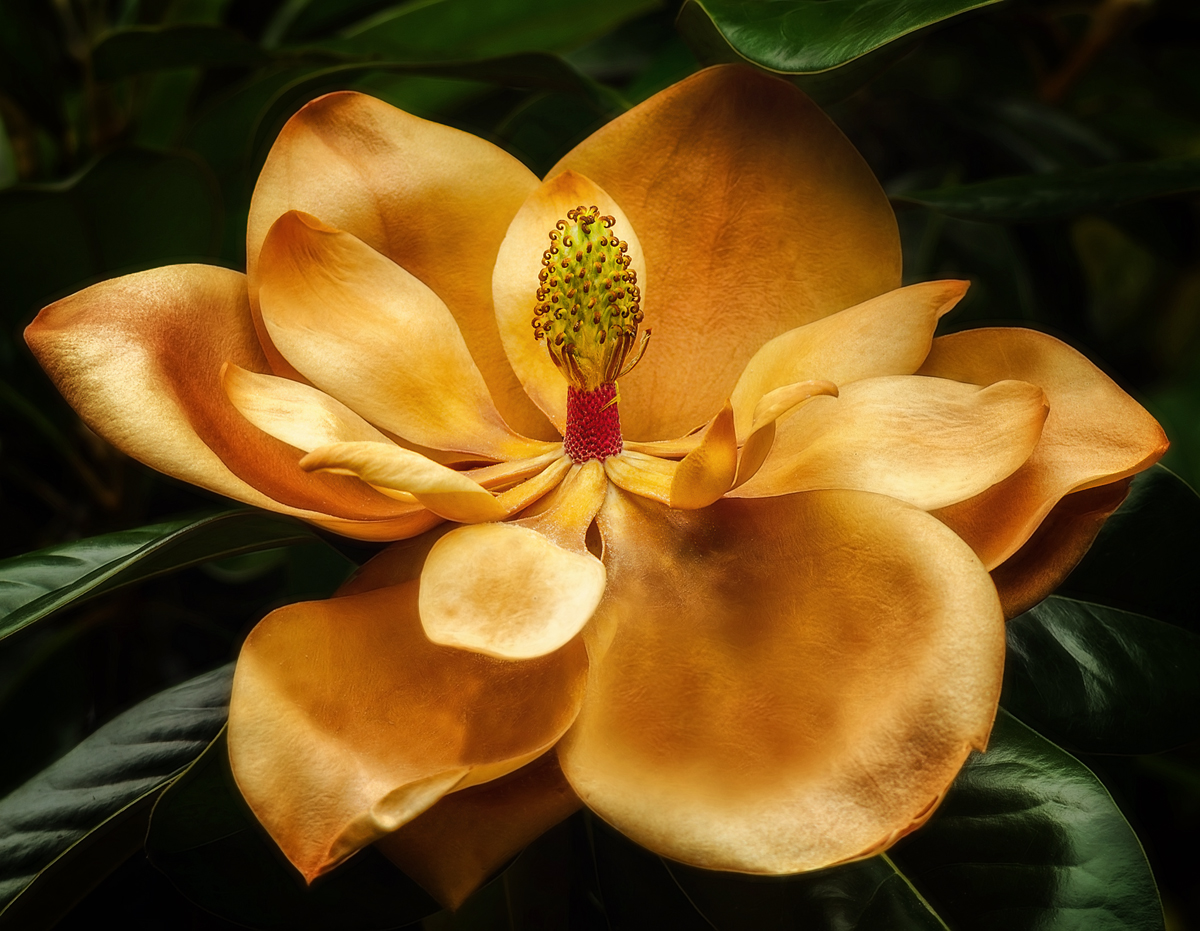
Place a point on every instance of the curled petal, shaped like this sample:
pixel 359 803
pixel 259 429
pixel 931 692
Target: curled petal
pixel 773 405
pixel 1095 434
pixel 298 414
pixel 139 357
pixel 346 722
pixel 455 845
pixel 708 471
pixel 781 685
pixel 517 590
pixel 756 215
pixel 433 199
pixel 444 491
pixel 887 335
pixel 927 441
pixel 515 281
pixel 364 330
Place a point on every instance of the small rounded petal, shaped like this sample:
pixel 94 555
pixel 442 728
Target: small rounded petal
pixel 756 215
pixel 1095 433
pixel 140 358
pixel 342 710
pixel 517 590
pixel 708 471
pixel 642 474
pixel 515 281
pixel 361 328
pixel 887 335
pixel 790 709
pixel 433 199
pixel 927 441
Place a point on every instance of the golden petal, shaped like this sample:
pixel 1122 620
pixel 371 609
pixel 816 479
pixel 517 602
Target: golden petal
pixel 756 216
pixel 517 590
pixel 708 471
pixel 515 281
pixel 362 329
pixel 887 335
pixel 928 441
pixel 140 357
pixel 434 200
pixel 771 406
pixel 1095 434
pixel 346 722
pixel 787 684
pixel 643 475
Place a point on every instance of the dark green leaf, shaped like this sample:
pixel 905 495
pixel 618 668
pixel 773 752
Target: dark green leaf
pixel 1101 680
pixel 1061 193
pixel 204 837
pixel 133 208
pixel 1028 837
pixel 1146 556
pixel 69 826
pixel 810 36
pixel 140 49
pixel 38 584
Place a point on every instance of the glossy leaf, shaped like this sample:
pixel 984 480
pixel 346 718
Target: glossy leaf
pixel 36 585
pixel 1102 680
pixel 140 49
pixel 809 36
pixel 206 840
pixel 72 824
pixel 1061 193
pixel 1029 838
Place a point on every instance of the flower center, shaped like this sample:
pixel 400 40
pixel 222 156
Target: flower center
pixel 588 310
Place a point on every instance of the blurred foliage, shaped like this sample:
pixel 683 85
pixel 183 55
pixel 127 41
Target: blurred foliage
pixel 1048 150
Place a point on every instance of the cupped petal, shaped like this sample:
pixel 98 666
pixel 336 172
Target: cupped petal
pixel 463 839
pixel 928 441
pixel 778 686
pixel 708 471
pixel 361 328
pixel 887 335
pixel 515 281
pixel 433 199
pixel 1095 433
pixel 448 493
pixel 140 357
pixel 521 589
pixel 346 722
pixel 756 216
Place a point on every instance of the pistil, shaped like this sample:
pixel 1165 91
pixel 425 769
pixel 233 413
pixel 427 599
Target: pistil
pixel 593 423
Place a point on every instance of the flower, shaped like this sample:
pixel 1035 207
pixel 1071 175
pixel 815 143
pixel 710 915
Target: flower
pixel 754 604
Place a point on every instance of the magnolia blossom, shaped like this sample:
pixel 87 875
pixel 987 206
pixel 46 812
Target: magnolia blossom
pixel 700 525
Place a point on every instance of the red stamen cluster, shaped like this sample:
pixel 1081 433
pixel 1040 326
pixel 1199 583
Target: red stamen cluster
pixel 593 423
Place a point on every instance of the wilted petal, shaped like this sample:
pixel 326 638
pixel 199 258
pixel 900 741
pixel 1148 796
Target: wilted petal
pixel 708 471
pixel 140 358
pixel 521 589
pixel 434 200
pixel 786 684
pixel 887 335
pixel 1095 433
pixel 455 845
pixel 756 216
pixel 515 281
pixel 346 722
pixel 364 330
pixel 927 441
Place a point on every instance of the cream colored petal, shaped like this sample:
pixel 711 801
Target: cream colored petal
pixel 789 684
pixel 517 590
pixel 140 357
pixel 643 475
pixel 444 491
pixel 887 335
pixel 361 328
pixel 346 722
pixel 756 216
pixel 927 441
pixel 708 471
pixel 298 414
pixel 515 281
pixel 1095 434
pixel 434 200
pixel 773 405
pixel 457 844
